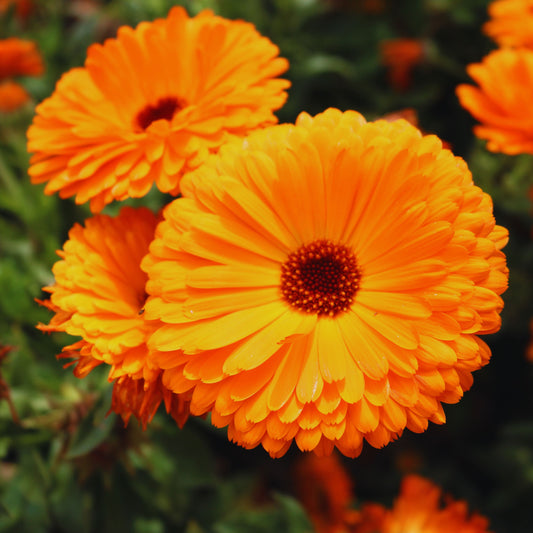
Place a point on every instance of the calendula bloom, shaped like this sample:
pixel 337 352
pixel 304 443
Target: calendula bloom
pixel 503 110
pixel 99 295
pixel 511 23
pixel 151 104
pixel 325 490
pixel 325 283
pixel 418 509
pixel 12 96
pixel 19 57
pixel 400 56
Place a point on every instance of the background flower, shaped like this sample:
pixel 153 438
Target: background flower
pixel 326 283
pixel 19 57
pixel 12 96
pixel 192 84
pixel 502 108
pixel 99 295
pixel 418 509
pixel 511 22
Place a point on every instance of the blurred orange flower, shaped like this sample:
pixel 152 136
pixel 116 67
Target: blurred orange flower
pixel 400 56
pixel 418 509
pixel 325 283
pixel 23 8
pixel 12 96
pixel 99 294
pixel 511 22
pixel 503 109
pixel 151 104
pixel 325 491
pixel 19 57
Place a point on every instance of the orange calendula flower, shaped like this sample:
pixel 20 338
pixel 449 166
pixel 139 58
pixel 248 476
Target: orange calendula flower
pixel 503 109
pixel 151 104
pixel 99 295
pixel 19 57
pixel 12 96
pixel 511 22
pixel 400 56
pixel 418 509
pixel 325 490
pixel 325 283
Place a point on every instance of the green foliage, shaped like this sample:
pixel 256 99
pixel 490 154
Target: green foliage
pixel 65 465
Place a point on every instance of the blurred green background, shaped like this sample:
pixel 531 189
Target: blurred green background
pixel 67 467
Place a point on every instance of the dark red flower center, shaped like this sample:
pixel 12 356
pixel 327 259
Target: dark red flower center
pixel 165 108
pixel 320 277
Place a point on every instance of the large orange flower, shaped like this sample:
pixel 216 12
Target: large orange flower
pixel 325 283
pixel 98 295
pixel 502 108
pixel 511 22
pixel 151 104
pixel 19 57
pixel 418 509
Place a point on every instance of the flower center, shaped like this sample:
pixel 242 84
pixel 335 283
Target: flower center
pixel 165 108
pixel 320 277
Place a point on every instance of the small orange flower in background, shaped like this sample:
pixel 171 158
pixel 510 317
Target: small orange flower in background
pixel 99 295
pixel 511 23
pixel 418 509
pixel 22 8
pixel 325 283
pixel 400 56
pixel 12 96
pixel 325 491
pixel 151 104
pixel 502 100
pixel 19 57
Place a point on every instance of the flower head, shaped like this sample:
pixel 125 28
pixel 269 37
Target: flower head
pixel 19 57
pixel 325 283
pixel 12 96
pixel 99 295
pixel 151 104
pixel 400 56
pixel 511 22
pixel 418 509
pixel 503 109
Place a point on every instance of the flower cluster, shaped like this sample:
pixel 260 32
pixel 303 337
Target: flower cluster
pixel 323 282
pixel 18 57
pixel 503 109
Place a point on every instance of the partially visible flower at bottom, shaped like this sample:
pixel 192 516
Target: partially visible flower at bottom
pixel 420 509
pixel 12 96
pixel 99 295
pixel 325 490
